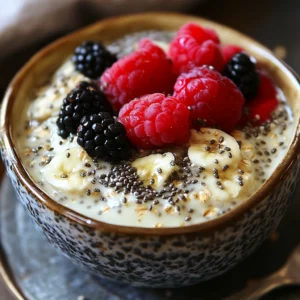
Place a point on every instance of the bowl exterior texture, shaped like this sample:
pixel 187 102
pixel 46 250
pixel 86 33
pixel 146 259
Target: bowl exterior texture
pixel 158 261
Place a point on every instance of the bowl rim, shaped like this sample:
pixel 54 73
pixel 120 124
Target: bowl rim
pixel 204 228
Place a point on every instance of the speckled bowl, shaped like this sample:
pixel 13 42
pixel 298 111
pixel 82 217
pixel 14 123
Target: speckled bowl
pixel 152 257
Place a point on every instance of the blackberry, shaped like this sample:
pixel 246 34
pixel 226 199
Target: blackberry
pixel 84 100
pixel 91 59
pixel 103 137
pixel 241 70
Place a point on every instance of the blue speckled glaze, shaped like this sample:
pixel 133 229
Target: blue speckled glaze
pixel 159 261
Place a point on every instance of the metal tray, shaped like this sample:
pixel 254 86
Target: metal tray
pixel 34 270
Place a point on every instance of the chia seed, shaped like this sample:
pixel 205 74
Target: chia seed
pixel 225 167
pixel 273 150
pixel 155 202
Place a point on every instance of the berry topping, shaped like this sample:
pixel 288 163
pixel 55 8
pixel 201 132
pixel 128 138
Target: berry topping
pixel 228 51
pixel 84 100
pixel 241 70
pixel 260 109
pixel 103 137
pixel 91 59
pixel 195 46
pixel 155 121
pixel 267 88
pixel 145 71
pixel 213 100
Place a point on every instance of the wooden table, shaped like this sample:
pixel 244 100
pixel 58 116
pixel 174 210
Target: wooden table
pixel 274 23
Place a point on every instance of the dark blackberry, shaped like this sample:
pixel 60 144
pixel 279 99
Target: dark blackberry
pixel 91 59
pixel 103 137
pixel 241 70
pixel 82 101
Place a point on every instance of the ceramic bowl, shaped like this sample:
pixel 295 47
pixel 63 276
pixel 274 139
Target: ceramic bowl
pixel 151 257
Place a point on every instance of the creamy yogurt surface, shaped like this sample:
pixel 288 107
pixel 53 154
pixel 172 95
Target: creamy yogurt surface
pixel 210 175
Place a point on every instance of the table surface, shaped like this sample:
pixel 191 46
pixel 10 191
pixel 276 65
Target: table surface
pixel 274 23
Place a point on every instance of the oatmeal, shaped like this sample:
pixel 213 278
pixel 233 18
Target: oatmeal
pixel 178 185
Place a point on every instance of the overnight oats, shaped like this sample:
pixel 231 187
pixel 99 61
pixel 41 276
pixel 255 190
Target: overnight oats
pixel 159 129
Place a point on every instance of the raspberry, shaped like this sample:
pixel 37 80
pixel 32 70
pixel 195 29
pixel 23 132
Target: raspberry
pixel 145 71
pixel 259 109
pixel 155 121
pixel 195 46
pixel 213 99
pixel 267 88
pixel 199 33
pixel 228 51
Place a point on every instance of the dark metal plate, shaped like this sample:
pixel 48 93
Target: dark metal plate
pixel 43 274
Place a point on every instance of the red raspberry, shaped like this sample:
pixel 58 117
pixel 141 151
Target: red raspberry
pixel 199 33
pixel 212 98
pixel 155 121
pixel 145 71
pixel 260 109
pixel 264 103
pixel 230 50
pixel 267 88
pixel 195 46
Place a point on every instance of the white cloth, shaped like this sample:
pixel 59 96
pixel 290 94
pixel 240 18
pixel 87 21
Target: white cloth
pixel 26 21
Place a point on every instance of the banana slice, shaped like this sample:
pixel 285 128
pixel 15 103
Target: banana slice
pixel 66 70
pixel 49 100
pixel 247 149
pixel 209 145
pixel 56 141
pixel 155 169
pixel 213 149
pixel 63 172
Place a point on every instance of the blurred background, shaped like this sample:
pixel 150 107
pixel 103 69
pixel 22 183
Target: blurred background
pixel 28 25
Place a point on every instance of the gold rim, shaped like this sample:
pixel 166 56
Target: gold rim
pixel 8 277
pixel 205 227
pixel 5 271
